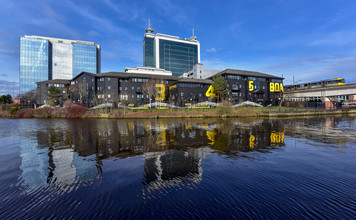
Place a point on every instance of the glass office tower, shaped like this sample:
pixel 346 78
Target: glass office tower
pixel 170 52
pixel 45 58
pixel 35 63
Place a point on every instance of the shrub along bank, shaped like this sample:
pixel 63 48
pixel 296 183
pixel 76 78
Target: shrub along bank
pixel 77 111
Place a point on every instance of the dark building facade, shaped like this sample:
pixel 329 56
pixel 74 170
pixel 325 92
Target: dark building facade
pixel 185 92
pixel 130 89
pixel 59 84
pixel 252 86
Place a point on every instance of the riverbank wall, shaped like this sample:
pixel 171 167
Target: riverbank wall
pixel 243 112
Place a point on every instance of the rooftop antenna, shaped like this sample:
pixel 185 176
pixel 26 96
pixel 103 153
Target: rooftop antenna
pixel 193 37
pixel 149 29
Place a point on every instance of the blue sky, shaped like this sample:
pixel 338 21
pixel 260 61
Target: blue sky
pixel 310 39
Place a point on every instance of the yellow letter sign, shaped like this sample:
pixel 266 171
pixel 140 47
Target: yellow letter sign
pixel 210 92
pixel 250 86
pixel 161 92
pixel 276 87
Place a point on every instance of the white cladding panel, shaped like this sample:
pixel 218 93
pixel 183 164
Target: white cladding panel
pixel 62 61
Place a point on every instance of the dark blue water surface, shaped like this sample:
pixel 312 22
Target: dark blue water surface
pixel 180 169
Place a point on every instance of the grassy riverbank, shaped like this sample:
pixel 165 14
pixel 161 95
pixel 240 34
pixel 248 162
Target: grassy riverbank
pixel 74 111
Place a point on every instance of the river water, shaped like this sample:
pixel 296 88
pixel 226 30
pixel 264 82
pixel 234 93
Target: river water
pixel 182 169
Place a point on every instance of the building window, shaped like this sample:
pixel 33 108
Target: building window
pixel 120 88
pixel 109 79
pixel 101 79
pixel 125 88
pixel 182 94
pixel 109 96
pixel 132 88
pixel 109 87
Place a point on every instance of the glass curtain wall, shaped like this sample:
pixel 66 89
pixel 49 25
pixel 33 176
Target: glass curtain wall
pixel 34 63
pixel 149 58
pixel 177 57
pixel 84 58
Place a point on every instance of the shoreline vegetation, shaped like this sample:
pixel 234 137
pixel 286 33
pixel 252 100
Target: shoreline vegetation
pixel 77 111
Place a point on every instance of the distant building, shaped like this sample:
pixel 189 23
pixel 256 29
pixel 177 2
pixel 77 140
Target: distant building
pixel 148 70
pixel 199 72
pixel 45 58
pixel 170 52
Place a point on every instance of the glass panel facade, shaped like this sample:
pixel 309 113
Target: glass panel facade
pixel 177 57
pixel 34 63
pixel 84 58
pixel 149 57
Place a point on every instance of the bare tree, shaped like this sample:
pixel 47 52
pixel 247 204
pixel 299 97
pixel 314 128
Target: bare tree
pixel 79 91
pixel 149 88
pixel 29 97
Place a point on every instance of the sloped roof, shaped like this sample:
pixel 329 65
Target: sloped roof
pixel 247 73
pixel 128 75
pixel 188 80
pixel 55 81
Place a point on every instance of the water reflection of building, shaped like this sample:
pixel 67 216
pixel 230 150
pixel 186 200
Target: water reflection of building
pixel 173 167
pixel 67 151
pixel 322 130
pixel 47 160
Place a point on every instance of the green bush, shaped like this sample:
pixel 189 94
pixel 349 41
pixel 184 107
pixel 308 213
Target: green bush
pixel 225 108
pixel 13 109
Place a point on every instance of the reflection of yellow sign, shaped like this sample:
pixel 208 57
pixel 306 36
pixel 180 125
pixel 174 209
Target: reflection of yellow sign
pixel 252 141
pixel 250 86
pixel 210 92
pixel 161 136
pixel 161 92
pixel 276 87
pixel 277 138
pixel 211 136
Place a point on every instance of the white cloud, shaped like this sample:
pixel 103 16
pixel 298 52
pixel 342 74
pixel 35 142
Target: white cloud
pixel 211 50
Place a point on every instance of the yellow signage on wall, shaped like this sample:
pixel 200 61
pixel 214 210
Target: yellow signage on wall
pixel 210 92
pixel 276 87
pixel 161 92
pixel 251 86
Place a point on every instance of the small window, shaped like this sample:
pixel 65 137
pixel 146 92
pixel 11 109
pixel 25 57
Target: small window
pixel 182 94
pixel 109 79
pixel 109 87
pixel 109 96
